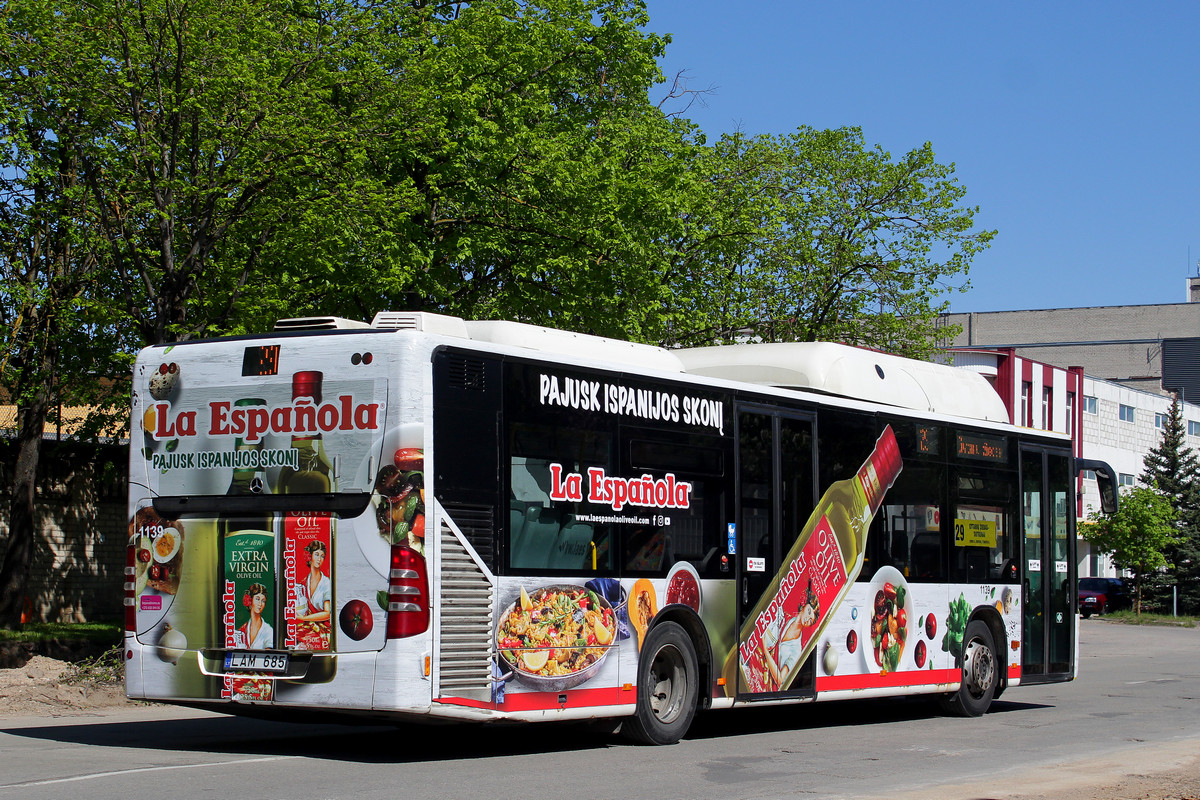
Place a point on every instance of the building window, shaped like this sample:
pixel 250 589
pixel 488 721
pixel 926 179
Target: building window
pixel 1125 479
pixel 1070 413
pixel 1127 414
pixel 1089 475
pixel 1047 408
pixel 1027 404
pixel 1089 405
pixel 1193 428
pixel 1160 420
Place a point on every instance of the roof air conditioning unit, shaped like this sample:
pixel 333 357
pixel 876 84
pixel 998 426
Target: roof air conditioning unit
pixel 319 324
pixel 420 321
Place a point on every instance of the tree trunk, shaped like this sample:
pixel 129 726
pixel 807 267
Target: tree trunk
pixel 22 519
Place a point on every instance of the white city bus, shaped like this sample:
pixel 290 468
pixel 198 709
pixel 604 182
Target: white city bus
pixel 429 518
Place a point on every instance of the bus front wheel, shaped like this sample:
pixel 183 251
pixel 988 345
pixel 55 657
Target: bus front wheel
pixel 980 673
pixel 667 687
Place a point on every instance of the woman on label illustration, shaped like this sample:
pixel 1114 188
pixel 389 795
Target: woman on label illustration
pixel 313 595
pixel 256 633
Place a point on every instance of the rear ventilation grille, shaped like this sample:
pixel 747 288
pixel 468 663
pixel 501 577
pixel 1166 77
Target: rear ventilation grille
pixel 465 628
pixel 475 521
pixel 467 373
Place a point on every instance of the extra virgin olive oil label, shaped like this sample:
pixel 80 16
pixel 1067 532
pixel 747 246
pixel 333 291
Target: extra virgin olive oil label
pixel 307 558
pixel 248 600
pixel 808 591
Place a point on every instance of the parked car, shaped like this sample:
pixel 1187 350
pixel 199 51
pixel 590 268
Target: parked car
pixel 1100 595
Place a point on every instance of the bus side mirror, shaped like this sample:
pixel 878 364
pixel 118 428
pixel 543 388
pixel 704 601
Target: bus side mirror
pixel 1106 482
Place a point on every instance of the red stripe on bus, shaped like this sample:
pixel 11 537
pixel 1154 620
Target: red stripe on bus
pixel 1014 672
pixel 544 701
pixel 842 683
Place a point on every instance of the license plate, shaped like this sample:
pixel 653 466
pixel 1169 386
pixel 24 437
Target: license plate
pixel 256 662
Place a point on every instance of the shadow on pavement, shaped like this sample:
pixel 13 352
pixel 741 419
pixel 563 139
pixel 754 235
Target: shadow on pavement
pixel 389 743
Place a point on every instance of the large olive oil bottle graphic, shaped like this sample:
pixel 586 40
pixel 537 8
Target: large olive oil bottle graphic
pixel 783 627
pixel 313 473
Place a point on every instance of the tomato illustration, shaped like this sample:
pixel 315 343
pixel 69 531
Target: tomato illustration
pixel 409 458
pixel 355 620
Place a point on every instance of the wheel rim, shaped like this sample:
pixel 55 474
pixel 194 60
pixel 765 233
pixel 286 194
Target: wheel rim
pixel 979 668
pixel 668 683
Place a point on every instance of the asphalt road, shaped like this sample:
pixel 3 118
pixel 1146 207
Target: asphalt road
pixel 1135 709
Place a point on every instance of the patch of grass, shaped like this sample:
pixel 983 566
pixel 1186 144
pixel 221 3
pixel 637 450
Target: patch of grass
pixel 1147 618
pixel 52 631
pixel 107 668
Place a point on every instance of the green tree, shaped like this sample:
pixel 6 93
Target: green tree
pixel 815 235
pixel 1174 469
pixel 54 336
pixel 153 153
pixel 216 165
pixel 230 162
pixel 214 132
pixel 1137 535
pixel 545 180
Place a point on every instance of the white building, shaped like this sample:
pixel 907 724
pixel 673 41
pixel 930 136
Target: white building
pixel 1109 421
pixel 1120 426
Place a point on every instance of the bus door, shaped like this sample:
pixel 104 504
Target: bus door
pixel 1049 565
pixel 776 495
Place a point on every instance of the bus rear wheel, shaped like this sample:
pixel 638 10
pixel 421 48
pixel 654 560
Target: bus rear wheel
pixel 667 687
pixel 980 673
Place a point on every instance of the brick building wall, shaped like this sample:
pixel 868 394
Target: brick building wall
pixel 77 574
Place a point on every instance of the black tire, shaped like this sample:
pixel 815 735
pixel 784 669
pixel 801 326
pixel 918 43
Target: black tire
pixel 667 687
pixel 980 673
pixel 1085 613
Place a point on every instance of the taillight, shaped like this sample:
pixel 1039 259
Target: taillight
pixel 408 594
pixel 131 587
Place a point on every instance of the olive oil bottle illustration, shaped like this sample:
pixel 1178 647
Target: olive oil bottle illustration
pixel 313 473
pixel 786 623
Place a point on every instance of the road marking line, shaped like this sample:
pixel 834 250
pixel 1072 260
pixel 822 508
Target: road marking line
pixel 146 769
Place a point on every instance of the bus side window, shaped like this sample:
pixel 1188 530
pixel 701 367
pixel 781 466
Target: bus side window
pixel 693 533
pixel 843 437
pixel 646 549
pixel 909 529
pixel 545 532
pixel 985 537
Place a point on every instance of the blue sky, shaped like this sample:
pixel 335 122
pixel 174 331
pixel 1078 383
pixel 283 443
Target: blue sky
pixel 1074 126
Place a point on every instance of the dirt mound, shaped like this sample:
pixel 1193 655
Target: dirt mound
pixel 46 686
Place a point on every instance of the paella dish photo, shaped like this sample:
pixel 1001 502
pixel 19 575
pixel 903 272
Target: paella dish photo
pixel 556 636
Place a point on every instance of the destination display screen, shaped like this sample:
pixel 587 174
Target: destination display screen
pixel 983 448
pixel 928 441
pixel 261 360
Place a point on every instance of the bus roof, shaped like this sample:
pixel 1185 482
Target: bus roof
pixel 846 371
pixel 825 367
pixel 534 337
